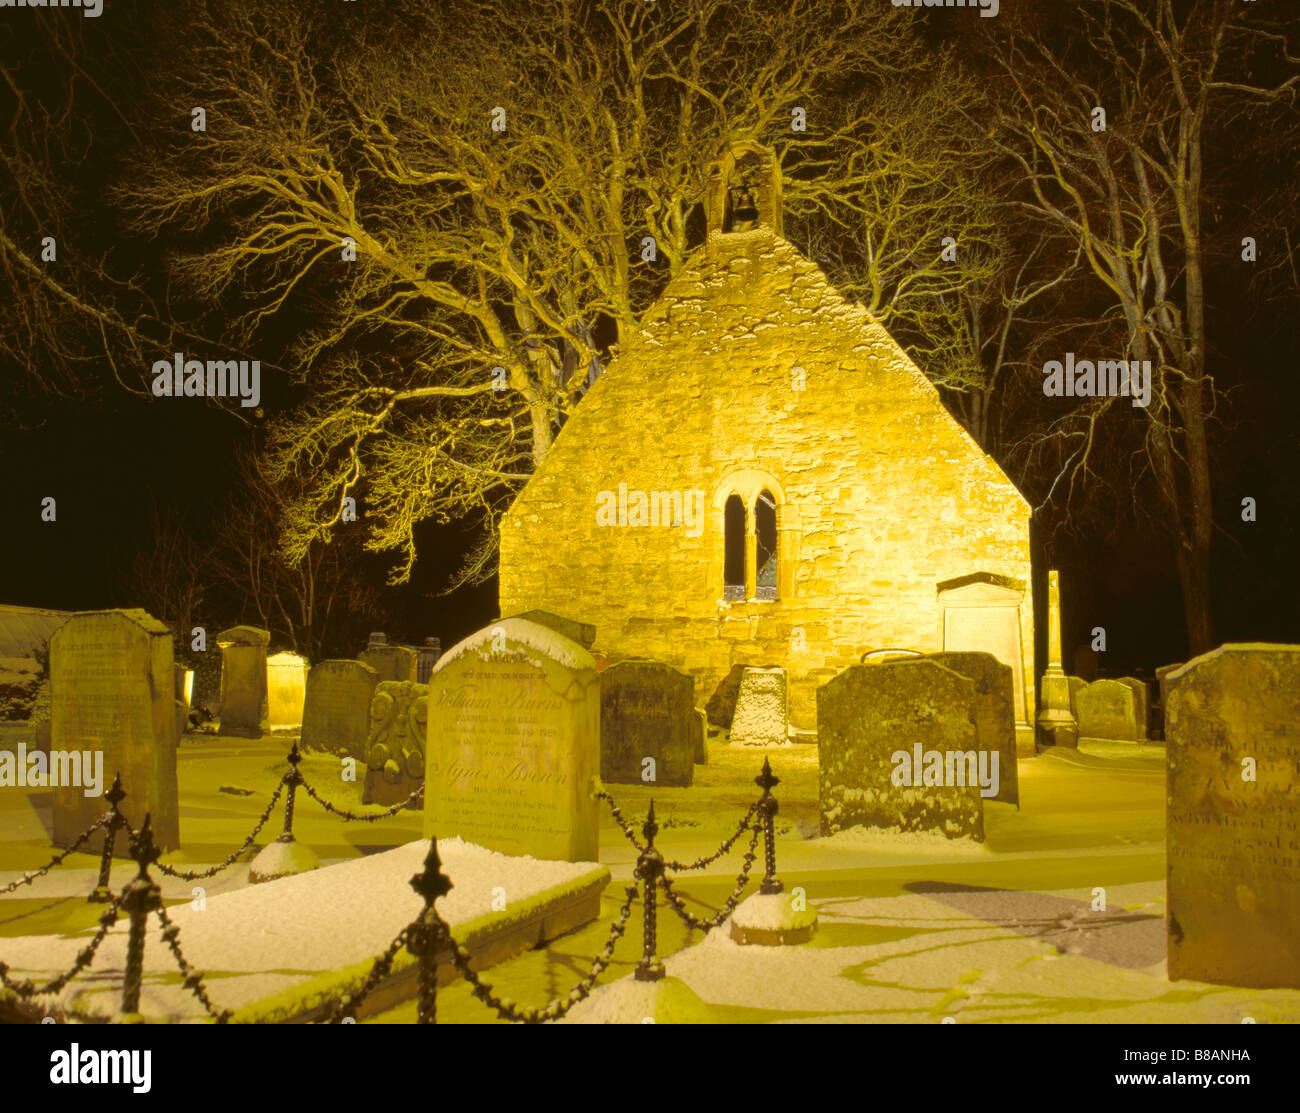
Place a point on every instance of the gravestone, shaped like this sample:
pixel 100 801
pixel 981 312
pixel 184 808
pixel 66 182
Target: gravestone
pixel 112 690
pixel 1233 844
pixel 377 638
pixel 390 662
pixel 761 717
pixel 1142 690
pixel 243 681
pixel 721 708
pixel 995 714
pixel 184 684
pixel 581 632
pixel 880 656
pixel 872 723
pixel 647 710
pixel 286 690
pixel 1108 709
pixel 336 711
pixel 700 737
pixel 428 657
pixel 513 748
pixel 1077 684
pixel 396 741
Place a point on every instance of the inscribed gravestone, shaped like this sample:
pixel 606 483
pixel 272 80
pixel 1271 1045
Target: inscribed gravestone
pixel 1233 844
pixel 243 681
pixel 391 662
pixel 647 710
pixel 336 714
pixel 111 689
pixel 995 714
pixel 761 718
pixel 395 744
pixel 1143 693
pixel 870 714
pixel 1108 709
pixel 514 743
pixel 286 689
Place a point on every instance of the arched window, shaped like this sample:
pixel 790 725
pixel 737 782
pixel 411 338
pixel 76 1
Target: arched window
pixel 734 559
pixel 765 540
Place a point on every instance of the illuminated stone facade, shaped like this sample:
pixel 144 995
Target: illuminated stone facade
pixel 752 375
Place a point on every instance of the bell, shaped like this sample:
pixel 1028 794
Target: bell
pixel 744 213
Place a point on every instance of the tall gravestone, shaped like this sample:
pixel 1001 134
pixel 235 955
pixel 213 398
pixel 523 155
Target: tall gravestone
pixel 243 681
pixel 395 744
pixel 1108 709
pixel 391 662
pixel 112 690
pixel 868 716
pixel 1056 723
pixel 286 690
pixel 647 710
pixel 1233 824
pixel 513 748
pixel 994 712
pixel 761 717
pixel 336 713
pixel 1142 693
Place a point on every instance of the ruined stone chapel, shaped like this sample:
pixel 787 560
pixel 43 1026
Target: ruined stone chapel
pixel 763 477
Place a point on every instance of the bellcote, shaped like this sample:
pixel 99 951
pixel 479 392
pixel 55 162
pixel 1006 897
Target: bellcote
pixel 743 189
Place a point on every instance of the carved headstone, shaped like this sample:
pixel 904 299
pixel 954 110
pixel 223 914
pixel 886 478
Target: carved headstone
pixel 395 745
pixel 896 748
pixel 994 712
pixel 1233 838
pixel 112 687
pixel 390 662
pixel 243 681
pixel 1108 709
pixel 647 711
pixel 514 743
pixel 336 714
pixel 761 717
pixel 286 689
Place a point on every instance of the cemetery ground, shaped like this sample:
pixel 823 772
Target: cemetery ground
pixel 913 928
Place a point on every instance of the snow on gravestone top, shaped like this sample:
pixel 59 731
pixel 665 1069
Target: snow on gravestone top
pixel 514 743
pixel 111 691
pixel 1233 870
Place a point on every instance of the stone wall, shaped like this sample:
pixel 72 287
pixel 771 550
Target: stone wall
pixel 880 492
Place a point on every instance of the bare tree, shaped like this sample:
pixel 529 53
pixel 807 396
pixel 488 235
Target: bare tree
pixel 496 171
pixel 1168 75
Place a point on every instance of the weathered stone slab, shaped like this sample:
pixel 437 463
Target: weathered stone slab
pixel 1077 684
pixel 761 717
pixel 286 690
pixel 994 711
pixel 647 711
pixel 184 683
pixel 111 686
pixel 581 632
pixel 336 713
pixel 395 745
pixel 1108 709
pixel 243 681
pixel 1142 690
pixel 513 748
pixel 872 723
pixel 391 662
pixel 1233 843
pixel 700 737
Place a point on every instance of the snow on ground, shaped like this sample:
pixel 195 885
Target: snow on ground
pixel 295 928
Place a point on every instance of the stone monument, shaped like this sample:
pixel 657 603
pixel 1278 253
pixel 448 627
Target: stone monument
pixel 243 681
pixel 1057 725
pixel 647 711
pixel 336 713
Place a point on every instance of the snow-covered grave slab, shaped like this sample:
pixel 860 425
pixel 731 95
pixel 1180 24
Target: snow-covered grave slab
pixel 285 950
